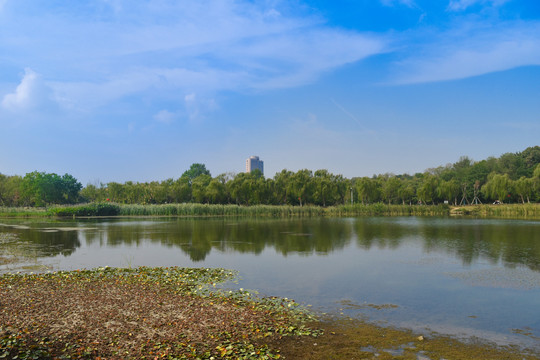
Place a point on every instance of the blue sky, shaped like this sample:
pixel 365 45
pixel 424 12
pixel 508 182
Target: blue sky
pixel 118 90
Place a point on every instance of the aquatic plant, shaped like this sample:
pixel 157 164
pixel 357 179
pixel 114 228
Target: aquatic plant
pixel 93 209
pixel 140 313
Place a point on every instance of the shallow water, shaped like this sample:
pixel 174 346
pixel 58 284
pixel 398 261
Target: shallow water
pixel 455 276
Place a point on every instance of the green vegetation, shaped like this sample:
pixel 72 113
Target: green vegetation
pixel 6 211
pixel 512 178
pixel 530 211
pixel 93 209
pixel 108 209
pixel 348 338
pixel 142 313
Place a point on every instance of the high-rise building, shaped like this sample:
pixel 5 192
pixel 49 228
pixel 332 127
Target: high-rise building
pixel 254 163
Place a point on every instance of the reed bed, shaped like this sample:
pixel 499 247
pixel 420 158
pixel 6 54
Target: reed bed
pixel 22 212
pixel 518 211
pixel 219 210
pixel 281 210
pixel 380 209
pixel 92 209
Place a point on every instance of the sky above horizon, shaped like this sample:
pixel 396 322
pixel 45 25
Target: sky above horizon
pixel 118 90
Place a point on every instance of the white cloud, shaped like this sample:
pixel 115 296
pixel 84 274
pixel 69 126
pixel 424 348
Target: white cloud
pixel 29 94
pixel 176 48
pixel 459 5
pixel 472 50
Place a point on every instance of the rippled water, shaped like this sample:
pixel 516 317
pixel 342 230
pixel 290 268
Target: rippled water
pixel 455 276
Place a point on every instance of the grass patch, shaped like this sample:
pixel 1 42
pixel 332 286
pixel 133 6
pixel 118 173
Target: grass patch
pixel 140 313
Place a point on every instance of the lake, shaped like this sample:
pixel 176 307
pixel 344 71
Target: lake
pixel 459 276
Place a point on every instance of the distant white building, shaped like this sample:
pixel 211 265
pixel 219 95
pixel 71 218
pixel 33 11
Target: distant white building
pixel 254 163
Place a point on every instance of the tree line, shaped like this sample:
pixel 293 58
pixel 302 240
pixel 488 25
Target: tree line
pixel 511 178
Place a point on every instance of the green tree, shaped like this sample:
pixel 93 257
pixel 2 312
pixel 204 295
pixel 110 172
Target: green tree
pixel 524 188
pixel 324 189
pixel 449 190
pixel 407 192
pixel 497 187
pixel 367 189
pixel 512 165
pixel 240 188
pixel 301 186
pixel 216 191
pixel 10 194
pixel 40 188
pixel 427 192
pixel 342 187
pixel 69 189
pixel 282 181
pixel 116 192
pixel 91 192
pixel 195 170
pixel 531 155
pixel 390 188
pixel 181 190
pixel 198 188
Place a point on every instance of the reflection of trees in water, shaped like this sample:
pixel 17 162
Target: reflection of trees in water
pixel 380 232
pixel 507 242
pixel 197 237
pixel 469 240
pixel 38 243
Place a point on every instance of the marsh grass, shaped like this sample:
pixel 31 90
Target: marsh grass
pixel 192 209
pixel 281 210
pixel 510 211
pixel 6 211
pixel 92 209
pixel 520 211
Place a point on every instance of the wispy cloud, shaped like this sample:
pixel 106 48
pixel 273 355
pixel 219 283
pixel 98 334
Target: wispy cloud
pixel 472 49
pixel 408 3
pixel 459 5
pixel 183 47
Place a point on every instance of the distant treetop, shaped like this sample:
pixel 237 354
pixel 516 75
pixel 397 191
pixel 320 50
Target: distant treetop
pixel 195 170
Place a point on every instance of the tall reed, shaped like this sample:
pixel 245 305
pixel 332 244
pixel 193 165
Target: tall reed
pixel 528 211
pixel 22 212
pixel 517 211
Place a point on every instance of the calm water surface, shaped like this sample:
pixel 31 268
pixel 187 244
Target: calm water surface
pixel 455 276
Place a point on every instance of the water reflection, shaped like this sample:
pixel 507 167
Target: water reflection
pixel 38 242
pixel 511 243
pixel 198 238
